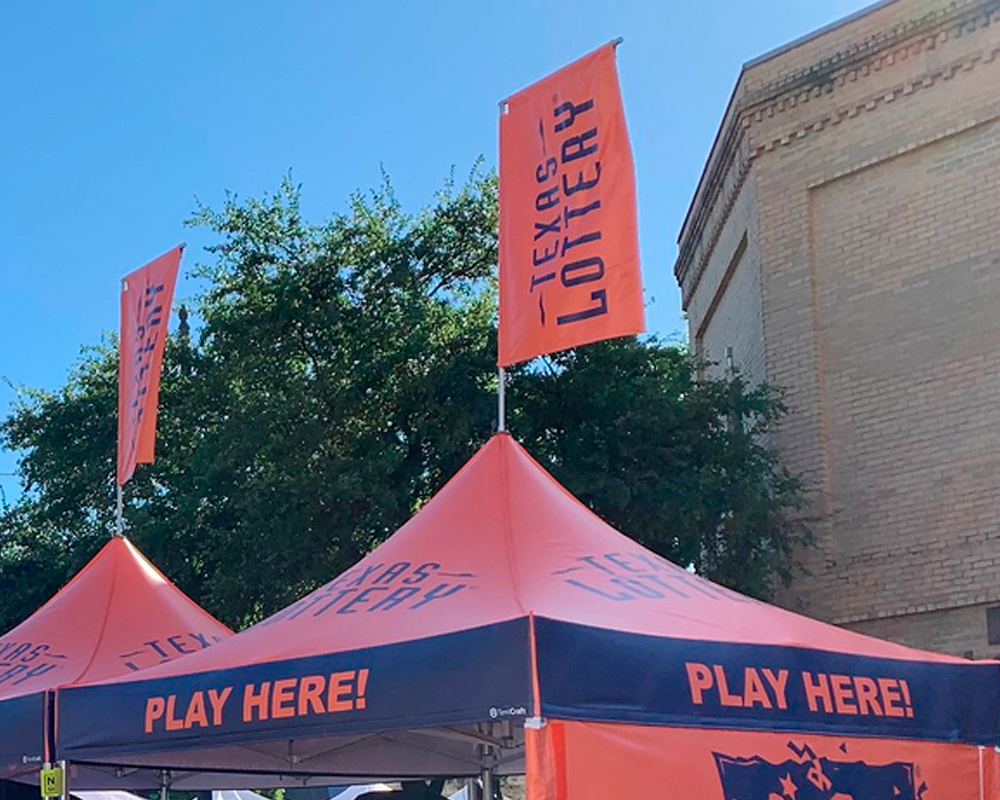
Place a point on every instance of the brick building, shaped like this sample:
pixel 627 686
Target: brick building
pixel 844 243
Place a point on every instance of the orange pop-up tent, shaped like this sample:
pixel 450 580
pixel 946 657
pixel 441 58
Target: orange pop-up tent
pixel 118 615
pixel 506 627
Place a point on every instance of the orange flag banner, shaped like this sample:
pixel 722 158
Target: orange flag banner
pixel 569 251
pixel 145 310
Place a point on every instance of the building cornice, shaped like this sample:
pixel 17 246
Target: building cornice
pixel 875 100
pixel 730 160
pixel 818 33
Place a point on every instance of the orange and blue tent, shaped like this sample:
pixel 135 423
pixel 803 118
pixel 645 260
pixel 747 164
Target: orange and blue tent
pixel 507 628
pixel 117 616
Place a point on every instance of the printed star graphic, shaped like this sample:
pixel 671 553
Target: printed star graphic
pixel 788 787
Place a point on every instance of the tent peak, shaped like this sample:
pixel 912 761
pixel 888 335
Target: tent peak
pixel 117 615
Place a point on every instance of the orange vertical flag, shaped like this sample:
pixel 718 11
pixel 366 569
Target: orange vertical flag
pixel 145 311
pixel 569 251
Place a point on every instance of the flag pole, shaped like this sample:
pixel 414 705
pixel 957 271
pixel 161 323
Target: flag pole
pixel 501 372
pixel 119 492
pixel 502 400
pixel 119 512
pixel 119 499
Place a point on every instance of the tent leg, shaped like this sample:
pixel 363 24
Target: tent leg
pixel 487 783
pixel 164 785
pixel 64 766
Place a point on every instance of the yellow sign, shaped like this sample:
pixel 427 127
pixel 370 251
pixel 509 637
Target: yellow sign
pixel 52 782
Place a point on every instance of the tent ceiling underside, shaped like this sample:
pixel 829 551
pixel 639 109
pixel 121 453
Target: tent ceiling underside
pixel 453 751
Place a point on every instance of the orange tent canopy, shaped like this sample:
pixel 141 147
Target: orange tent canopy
pixel 501 611
pixel 117 616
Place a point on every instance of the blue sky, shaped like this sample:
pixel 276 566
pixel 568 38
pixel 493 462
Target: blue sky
pixel 118 115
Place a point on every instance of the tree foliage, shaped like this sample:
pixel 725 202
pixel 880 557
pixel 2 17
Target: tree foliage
pixel 335 376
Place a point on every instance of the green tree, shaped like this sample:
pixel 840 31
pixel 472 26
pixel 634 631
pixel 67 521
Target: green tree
pixel 335 377
pixel 679 463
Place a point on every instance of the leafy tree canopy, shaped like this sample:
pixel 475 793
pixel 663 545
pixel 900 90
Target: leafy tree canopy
pixel 335 376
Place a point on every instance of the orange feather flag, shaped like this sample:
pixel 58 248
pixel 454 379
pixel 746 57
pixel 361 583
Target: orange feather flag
pixel 569 251
pixel 145 311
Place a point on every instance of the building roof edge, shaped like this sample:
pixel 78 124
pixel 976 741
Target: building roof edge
pixel 832 26
pixel 729 118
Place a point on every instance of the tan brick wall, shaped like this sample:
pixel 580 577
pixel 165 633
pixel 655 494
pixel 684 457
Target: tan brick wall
pixel 728 302
pixel 961 631
pixel 905 260
pixel 735 329
pixel 869 191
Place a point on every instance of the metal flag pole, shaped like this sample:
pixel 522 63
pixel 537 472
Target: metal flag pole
pixel 119 490
pixel 119 511
pixel 501 372
pixel 501 400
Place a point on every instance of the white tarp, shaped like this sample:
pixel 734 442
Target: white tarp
pixel 236 794
pixel 114 795
pixel 351 792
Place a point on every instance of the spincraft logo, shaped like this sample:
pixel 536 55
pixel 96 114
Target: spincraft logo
pixel 508 711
